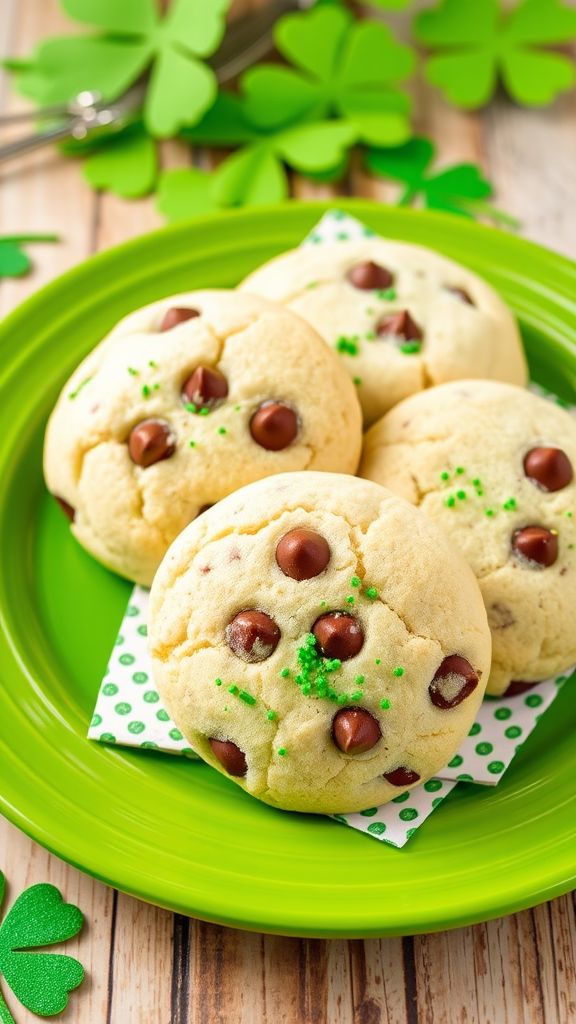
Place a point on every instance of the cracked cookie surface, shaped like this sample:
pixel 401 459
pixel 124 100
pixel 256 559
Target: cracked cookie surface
pixel 316 639
pixel 184 401
pixel 401 317
pixel 493 465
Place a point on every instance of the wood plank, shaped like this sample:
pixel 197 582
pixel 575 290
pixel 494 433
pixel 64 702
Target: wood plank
pixel 140 956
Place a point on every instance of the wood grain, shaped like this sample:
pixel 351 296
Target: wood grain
pixel 147 966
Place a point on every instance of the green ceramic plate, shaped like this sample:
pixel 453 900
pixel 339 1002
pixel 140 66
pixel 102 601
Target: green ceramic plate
pixel 176 833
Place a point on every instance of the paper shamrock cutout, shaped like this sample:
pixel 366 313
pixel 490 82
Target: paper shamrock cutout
pixel 123 161
pixel 479 43
pixel 341 67
pixel 460 189
pixel 134 38
pixel 40 980
pixel 255 173
pixel 13 260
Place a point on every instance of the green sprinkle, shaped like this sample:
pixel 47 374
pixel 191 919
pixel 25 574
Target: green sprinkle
pixel 190 407
pixel 271 715
pixel 370 335
pixel 323 604
pixel 237 408
pixel 152 364
pixel 388 294
pixel 146 391
pixel 510 505
pixel 398 671
pixel 378 661
pixel 285 672
pixel 569 514
pixel 350 599
pixel 370 311
pixel 445 475
pixel 356 696
pixel 312 284
pixel 247 697
pixel 282 751
pixel 384 704
pixel 342 698
pixel 479 492
pixel 347 345
pixel 460 495
pixel 359 680
pixel 357 381
pixel 371 593
pixel 477 482
pixel 191 444
pixel 355 581
pixel 74 394
pixel 204 411
pixel 222 430
pixel 459 470
pixel 450 501
pixel 489 512
pixel 218 682
pixel 570 547
pixel 233 689
pixel 410 348
pixel 132 371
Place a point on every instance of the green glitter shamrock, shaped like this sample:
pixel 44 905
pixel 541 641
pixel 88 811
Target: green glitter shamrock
pixel 13 260
pixel 40 980
pixel 133 38
pixel 461 188
pixel 341 67
pixel 255 173
pixel 480 43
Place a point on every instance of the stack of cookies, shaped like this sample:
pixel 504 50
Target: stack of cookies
pixel 325 640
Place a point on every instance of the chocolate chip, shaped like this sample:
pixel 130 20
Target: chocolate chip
pixel 461 294
pixel 516 687
pixel 402 776
pixel 67 509
pixel 302 554
pixel 355 730
pixel 339 635
pixel 274 426
pixel 453 682
pixel 252 635
pixel 536 544
pixel 399 325
pixel 205 387
pixel 150 441
pixel 230 756
pixel 549 467
pixel 177 315
pixel 370 275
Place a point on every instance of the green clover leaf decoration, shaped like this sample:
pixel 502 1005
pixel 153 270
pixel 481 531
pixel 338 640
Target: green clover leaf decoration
pixel 122 161
pixel 255 173
pixel 340 67
pixel 134 39
pixel 41 981
pixel 13 260
pixel 479 44
pixel 460 189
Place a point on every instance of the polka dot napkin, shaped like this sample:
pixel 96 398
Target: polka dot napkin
pixel 129 711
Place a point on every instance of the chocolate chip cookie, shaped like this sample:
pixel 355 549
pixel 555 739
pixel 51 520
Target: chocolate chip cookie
pixel 185 401
pixel 319 641
pixel 402 318
pixel 493 465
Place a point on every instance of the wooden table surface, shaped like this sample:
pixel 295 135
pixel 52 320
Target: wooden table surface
pixel 148 966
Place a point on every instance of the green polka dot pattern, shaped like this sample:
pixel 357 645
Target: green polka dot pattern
pixel 128 710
